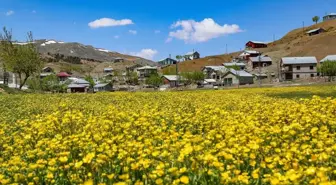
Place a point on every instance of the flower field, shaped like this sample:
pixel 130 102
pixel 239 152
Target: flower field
pixel 245 136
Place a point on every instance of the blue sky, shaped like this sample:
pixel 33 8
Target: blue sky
pixel 154 29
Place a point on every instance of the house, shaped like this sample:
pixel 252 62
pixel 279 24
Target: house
pixel 146 71
pixel 329 58
pixel 210 82
pixel 233 64
pixel 214 72
pixel 298 67
pixel 248 53
pixel 47 70
pixel 167 62
pixel 133 68
pixel 235 77
pixel 108 70
pixel 260 61
pixel 260 76
pixel 63 76
pixel 118 59
pixel 192 55
pixel 77 88
pixel 315 31
pixel 256 44
pixel 105 87
pixel 330 16
pixel 171 80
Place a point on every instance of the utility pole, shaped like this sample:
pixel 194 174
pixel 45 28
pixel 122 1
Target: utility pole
pixel 259 70
pixel 177 77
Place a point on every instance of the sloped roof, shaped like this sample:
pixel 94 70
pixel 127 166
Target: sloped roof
pixel 63 74
pixel 191 53
pixel 241 73
pixel 100 85
pixel 262 59
pixel 146 67
pixel 210 80
pixel 299 60
pixel 329 57
pixel 332 14
pixel 166 59
pixel 171 77
pixel 234 64
pixel 258 42
pixel 76 86
pixel 314 30
pixel 216 68
pixel 108 69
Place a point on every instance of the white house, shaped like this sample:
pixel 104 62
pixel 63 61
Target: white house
pixel 298 67
pixel 235 77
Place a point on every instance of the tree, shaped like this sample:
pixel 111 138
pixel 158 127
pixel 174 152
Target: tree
pixel 21 59
pixel 328 68
pixel 316 19
pixel 198 77
pixel 154 80
pixel 91 81
pixel 132 78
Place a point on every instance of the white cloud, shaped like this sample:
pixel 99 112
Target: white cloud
pixel 145 53
pixel 108 22
pixel 34 11
pixel 192 31
pixel 157 31
pixel 10 12
pixel 116 36
pixel 133 32
pixel 169 39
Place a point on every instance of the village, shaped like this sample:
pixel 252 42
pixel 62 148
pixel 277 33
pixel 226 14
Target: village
pixel 251 67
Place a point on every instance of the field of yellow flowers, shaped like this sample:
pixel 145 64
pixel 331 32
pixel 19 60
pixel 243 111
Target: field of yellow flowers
pixel 250 136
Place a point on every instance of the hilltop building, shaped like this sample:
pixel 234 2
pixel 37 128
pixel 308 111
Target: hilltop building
pixel 262 61
pixel 248 53
pixel 315 31
pixel 192 55
pixel 331 16
pixel 256 44
pixel 166 62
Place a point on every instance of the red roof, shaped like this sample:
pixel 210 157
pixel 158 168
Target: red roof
pixel 63 74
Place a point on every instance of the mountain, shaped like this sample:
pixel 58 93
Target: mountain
pixel 294 43
pixel 82 59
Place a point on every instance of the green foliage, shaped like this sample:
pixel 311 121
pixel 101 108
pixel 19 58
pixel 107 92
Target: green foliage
pixel 154 80
pixel 193 77
pixel 90 80
pixel 21 59
pixel 198 76
pixel 169 71
pixel 328 68
pixel 316 19
pixel 34 83
pixel 235 67
pixel 132 78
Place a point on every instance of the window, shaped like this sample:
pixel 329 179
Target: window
pixel 213 76
pixel 297 76
pixel 312 75
pixel 218 77
pixel 311 67
pixel 298 67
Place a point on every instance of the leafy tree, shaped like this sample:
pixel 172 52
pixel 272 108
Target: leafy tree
pixel 50 83
pixel 21 59
pixel 316 19
pixel 188 77
pixel 154 80
pixel 34 83
pixel 328 68
pixel 132 78
pixel 198 76
pixel 91 81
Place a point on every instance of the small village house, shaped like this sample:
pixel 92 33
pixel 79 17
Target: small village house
pixel 78 85
pixel 256 44
pixel 328 58
pixel 104 87
pixel 298 68
pixel 235 77
pixel 192 55
pixel 248 53
pixel 108 70
pixel 331 16
pixel 315 31
pixel 214 72
pixel 118 59
pixel 63 76
pixel 210 82
pixel 260 61
pixel 241 65
pixel 167 62
pixel 133 68
pixel 171 80
pixel 47 70
pixel 146 71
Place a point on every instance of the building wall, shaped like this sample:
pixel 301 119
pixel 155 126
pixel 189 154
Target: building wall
pixel 240 80
pixel 305 71
pixel 329 17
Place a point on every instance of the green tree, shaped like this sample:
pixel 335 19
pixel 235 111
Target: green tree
pixel 21 59
pixel 50 83
pixel 188 77
pixel 316 19
pixel 132 78
pixel 155 80
pixel 198 77
pixel 328 69
pixel 90 80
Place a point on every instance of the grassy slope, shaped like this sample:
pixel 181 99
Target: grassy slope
pixel 295 43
